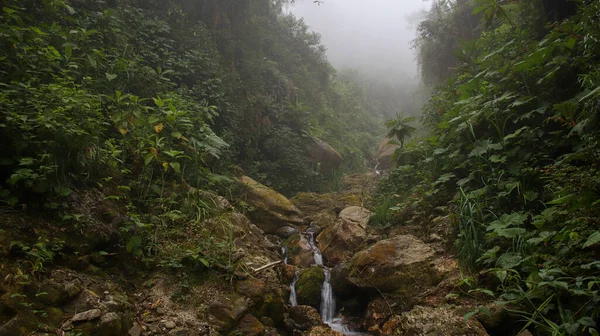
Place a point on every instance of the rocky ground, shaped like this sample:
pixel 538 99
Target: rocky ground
pixel 397 282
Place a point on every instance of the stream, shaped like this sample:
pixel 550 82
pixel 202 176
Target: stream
pixel 327 298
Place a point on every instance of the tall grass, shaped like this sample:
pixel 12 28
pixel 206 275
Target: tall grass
pixel 470 230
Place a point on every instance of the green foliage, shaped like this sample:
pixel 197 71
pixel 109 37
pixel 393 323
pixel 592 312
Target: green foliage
pixel 514 130
pixel 400 129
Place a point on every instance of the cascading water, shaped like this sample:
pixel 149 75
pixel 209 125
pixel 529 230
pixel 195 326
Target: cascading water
pixel 327 299
pixel 293 299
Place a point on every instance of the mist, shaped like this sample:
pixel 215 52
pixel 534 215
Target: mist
pixel 373 40
pixel 372 36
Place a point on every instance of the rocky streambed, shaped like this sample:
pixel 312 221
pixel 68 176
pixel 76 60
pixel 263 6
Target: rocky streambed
pixel 308 266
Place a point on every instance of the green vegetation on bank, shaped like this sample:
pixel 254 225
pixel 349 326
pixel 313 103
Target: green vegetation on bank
pixel 514 148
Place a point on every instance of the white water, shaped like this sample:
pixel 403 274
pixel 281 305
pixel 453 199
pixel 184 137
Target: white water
pixel 327 299
pixel 293 299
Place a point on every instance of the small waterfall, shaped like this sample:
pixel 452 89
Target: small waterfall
pixel 293 299
pixel 327 299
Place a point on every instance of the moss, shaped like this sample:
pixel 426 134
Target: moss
pixel 54 316
pixel 308 287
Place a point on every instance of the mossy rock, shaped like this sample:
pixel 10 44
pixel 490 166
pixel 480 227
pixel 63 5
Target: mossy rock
pixel 54 316
pixel 308 287
pixel 273 307
pixel 271 209
pixel 249 325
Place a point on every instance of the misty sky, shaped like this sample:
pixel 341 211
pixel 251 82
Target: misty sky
pixel 373 35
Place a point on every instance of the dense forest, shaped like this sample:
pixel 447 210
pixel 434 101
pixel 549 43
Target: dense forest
pixel 513 152
pixel 148 150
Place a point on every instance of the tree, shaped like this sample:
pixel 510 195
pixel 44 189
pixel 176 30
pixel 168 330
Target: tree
pixel 400 128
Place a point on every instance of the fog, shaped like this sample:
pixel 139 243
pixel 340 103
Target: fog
pixel 373 35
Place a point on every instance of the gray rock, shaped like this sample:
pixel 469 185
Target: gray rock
pixel 429 321
pixel 110 325
pixel 87 315
pixel 136 330
pixel 286 231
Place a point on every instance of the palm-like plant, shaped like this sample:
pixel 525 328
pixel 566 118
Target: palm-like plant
pixel 400 128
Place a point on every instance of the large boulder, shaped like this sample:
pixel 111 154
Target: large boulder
pixel 385 153
pixel 298 251
pixel 271 210
pixel 429 321
pixel 320 152
pixel 402 264
pixel 308 286
pixel 338 242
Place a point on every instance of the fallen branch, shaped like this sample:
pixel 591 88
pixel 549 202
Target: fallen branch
pixel 269 265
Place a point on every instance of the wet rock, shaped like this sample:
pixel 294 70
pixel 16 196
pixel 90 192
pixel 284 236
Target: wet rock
pixel 305 317
pixel 339 241
pixel 298 251
pixel 318 151
pixel 87 315
pixel 286 231
pixel 429 321
pixel 403 264
pixel 271 209
pixel 308 287
pixel 340 282
pixel 288 272
pixel 250 326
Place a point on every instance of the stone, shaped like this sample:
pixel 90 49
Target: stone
pixel 87 315
pixel 339 241
pixel 86 300
pixel 251 287
pixel 286 231
pixel 324 331
pixel 251 326
pixel 271 210
pixel 305 317
pixel 340 282
pixel 178 332
pixel 110 325
pixel 136 330
pixel 402 264
pixel 288 272
pixel 356 215
pixel 308 287
pixel 385 154
pixel 298 251
pixel 377 313
pixel 429 321
pixel 320 152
